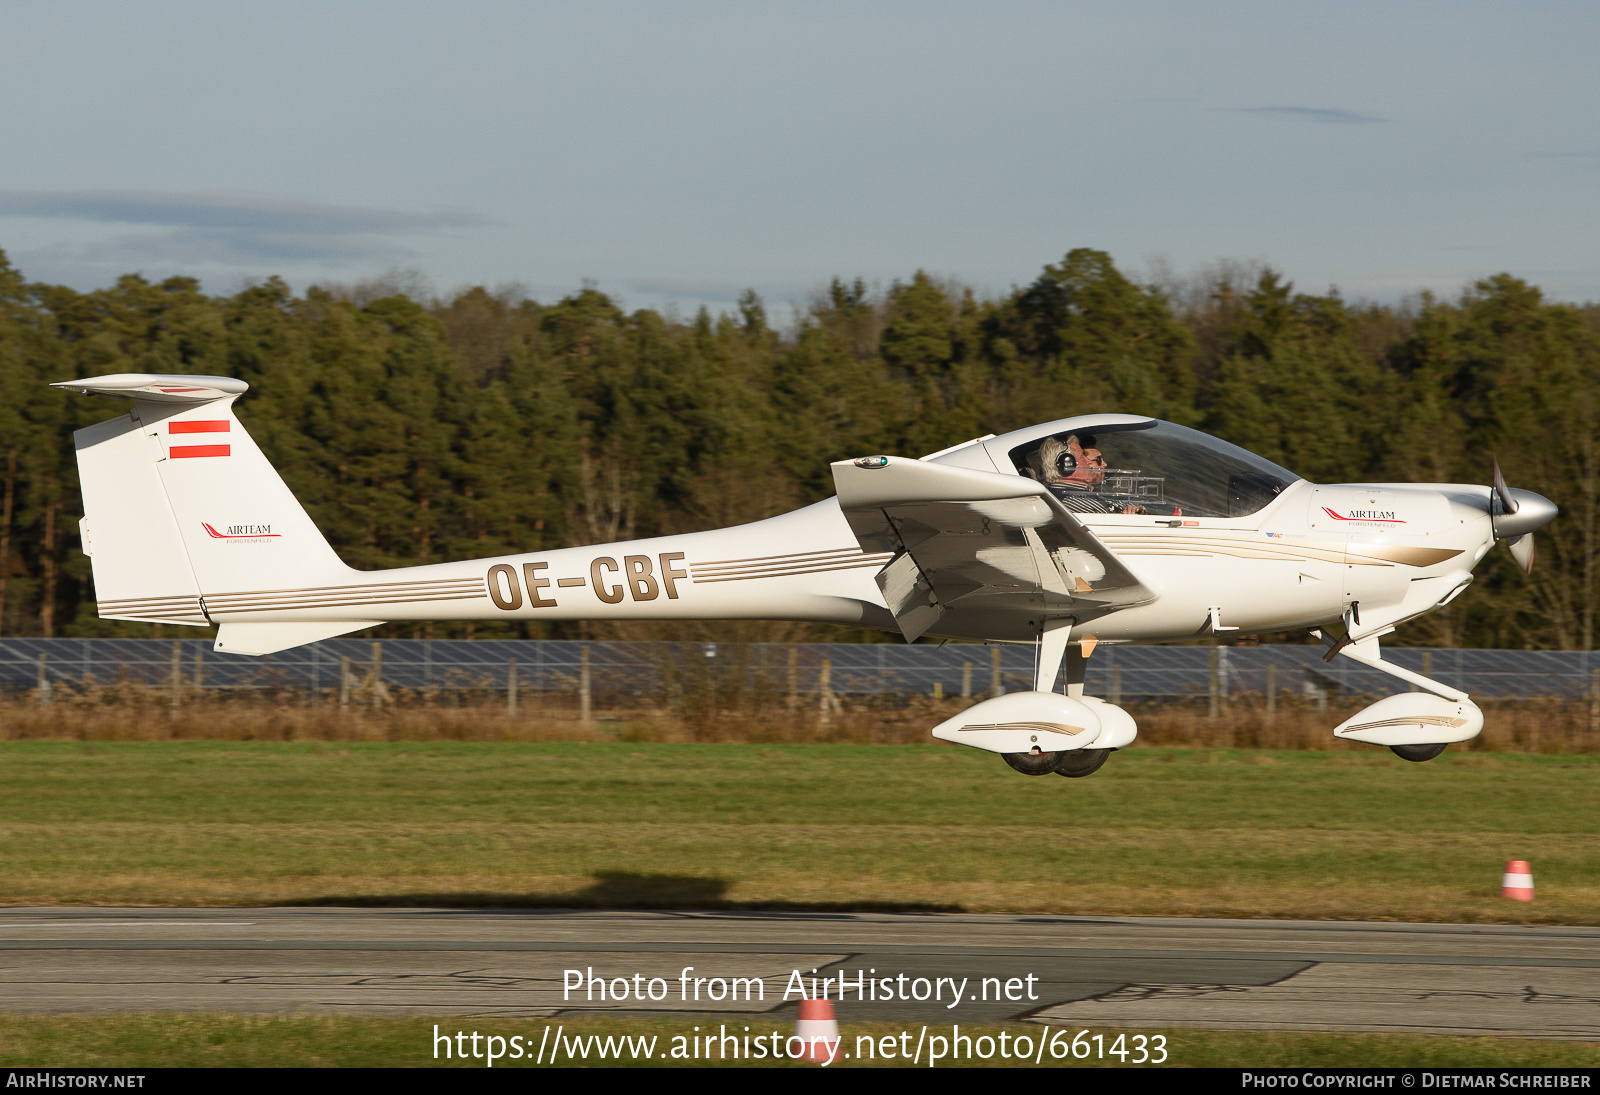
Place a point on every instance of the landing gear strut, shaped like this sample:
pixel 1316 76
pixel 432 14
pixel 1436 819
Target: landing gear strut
pixel 1055 649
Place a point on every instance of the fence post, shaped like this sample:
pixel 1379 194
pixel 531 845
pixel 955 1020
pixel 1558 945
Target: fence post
pixel 997 686
pixel 794 678
pixel 827 702
pixel 43 693
pixel 583 684
pixel 199 673
pixel 344 682
pixel 1116 684
pixel 511 689
pixel 380 691
pixel 177 674
pixel 1272 691
pixel 966 680
pixel 938 690
pixel 1594 700
pixel 1216 684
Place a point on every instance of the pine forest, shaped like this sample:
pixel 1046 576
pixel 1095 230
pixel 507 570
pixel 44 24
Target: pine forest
pixel 418 430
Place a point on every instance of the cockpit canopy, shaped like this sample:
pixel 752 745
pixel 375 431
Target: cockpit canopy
pixel 1150 467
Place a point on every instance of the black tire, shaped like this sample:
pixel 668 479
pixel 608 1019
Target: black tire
pixel 1418 753
pixel 1084 762
pixel 1033 764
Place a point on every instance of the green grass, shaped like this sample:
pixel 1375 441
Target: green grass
pixel 131 1042
pixel 1157 831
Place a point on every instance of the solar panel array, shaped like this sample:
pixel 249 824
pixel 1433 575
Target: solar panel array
pixel 644 670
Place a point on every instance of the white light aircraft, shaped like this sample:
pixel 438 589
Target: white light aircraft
pixel 1106 528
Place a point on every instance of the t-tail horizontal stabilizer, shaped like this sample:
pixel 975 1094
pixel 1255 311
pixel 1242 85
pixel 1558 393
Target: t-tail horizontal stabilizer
pixel 158 387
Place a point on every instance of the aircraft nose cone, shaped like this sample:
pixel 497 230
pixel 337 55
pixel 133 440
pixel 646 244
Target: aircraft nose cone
pixel 1534 511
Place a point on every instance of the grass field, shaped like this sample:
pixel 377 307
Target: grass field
pixel 132 1042
pixel 1338 835
pixel 129 712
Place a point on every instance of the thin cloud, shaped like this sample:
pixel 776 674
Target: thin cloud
pixel 224 228
pixel 225 246
pixel 1323 115
pixel 225 210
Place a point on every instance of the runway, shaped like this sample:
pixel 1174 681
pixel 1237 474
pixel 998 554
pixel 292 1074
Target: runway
pixel 1097 972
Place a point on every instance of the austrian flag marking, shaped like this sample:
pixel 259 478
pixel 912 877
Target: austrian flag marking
pixel 186 452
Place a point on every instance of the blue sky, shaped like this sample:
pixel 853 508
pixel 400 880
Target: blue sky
pixel 678 153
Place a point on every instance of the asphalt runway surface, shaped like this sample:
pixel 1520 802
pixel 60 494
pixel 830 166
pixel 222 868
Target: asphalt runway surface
pixel 1096 972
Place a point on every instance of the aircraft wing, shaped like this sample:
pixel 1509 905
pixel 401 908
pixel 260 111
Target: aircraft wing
pixel 975 539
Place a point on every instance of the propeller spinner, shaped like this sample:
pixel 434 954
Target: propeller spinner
pixel 1516 515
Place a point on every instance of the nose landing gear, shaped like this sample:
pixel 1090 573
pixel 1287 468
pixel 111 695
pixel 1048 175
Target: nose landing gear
pixel 1415 726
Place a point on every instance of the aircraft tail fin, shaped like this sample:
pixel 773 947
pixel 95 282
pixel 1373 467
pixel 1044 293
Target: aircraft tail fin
pixel 182 507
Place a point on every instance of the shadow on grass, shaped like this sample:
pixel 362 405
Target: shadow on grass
pixel 620 890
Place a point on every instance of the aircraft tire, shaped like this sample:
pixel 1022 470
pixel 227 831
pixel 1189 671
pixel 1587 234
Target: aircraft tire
pixel 1418 753
pixel 1084 762
pixel 1033 764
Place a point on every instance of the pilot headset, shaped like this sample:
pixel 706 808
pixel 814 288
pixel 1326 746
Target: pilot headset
pixel 1066 463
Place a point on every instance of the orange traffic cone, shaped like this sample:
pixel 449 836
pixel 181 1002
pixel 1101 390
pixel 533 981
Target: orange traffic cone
pixel 1518 881
pixel 819 1029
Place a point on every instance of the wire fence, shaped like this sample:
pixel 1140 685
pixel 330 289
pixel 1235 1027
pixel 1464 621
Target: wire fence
pixel 641 671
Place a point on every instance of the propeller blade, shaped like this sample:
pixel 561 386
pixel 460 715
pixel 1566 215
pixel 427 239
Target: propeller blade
pixel 1522 551
pixel 1508 504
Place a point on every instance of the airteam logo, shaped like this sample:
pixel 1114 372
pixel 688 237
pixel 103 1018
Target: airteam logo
pixel 1384 515
pixel 241 532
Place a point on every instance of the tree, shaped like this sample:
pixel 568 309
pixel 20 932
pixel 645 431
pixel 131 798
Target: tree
pixel 1084 339
pixel 1296 388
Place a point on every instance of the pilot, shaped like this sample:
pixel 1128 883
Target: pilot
pixel 1076 469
